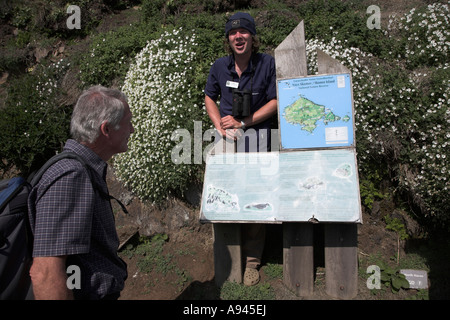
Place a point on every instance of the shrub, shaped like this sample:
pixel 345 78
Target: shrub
pixel 33 124
pixel 159 87
pixel 423 35
pixel 110 54
pixel 401 114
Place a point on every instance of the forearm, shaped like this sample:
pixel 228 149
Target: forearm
pixel 264 113
pixel 213 113
pixel 49 279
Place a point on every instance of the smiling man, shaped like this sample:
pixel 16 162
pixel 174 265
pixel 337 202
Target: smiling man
pixel 72 221
pixel 245 81
pixel 243 72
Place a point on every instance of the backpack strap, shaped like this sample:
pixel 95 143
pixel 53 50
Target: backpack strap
pixel 34 178
pixel 11 188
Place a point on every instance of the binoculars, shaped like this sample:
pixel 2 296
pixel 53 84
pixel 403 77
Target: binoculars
pixel 242 101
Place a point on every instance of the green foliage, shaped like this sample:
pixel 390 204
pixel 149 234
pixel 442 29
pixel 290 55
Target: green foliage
pixel 150 257
pixel 33 124
pixel 21 16
pixel 390 276
pixel 150 254
pixel 397 226
pixel 151 10
pixel 110 54
pixel 423 35
pixel 209 32
pixel 282 22
pixel 273 271
pixel 369 186
pixel 48 18
pixel 344 21
pixel 236 291
pixel 393 278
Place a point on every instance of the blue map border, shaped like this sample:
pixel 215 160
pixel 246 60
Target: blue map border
pixel 293 137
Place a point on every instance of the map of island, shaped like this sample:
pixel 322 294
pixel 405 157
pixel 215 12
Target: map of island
pixel 306 183
pixel 219 200
pixel 306 113
pixel 316 111
pixel 258 207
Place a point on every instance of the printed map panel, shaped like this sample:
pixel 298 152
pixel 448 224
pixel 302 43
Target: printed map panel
pixel 316 112
pixel 282 186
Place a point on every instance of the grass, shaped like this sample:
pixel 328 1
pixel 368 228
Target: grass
pixel 152 258
pixel 238 291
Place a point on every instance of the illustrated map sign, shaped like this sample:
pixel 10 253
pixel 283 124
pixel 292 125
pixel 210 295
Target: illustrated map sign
pixel 316 112
pixel 321 185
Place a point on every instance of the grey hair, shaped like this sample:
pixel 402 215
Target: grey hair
pixel 95 106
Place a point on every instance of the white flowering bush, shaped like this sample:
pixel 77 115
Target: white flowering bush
pixel 162 98
pixel 402 114
pixel 424 35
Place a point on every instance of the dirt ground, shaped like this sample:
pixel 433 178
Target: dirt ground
pixel 199 265
pixel 191 249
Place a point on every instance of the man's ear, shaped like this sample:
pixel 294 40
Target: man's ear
pixel 104 129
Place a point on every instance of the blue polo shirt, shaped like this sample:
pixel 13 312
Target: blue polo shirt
pixel 259 77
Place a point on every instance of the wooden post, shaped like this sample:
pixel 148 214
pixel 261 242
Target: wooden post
pixel 341 260
pixel 298 256
pixel 227 253
pixel 341 243
pixel 298 249
pixel 227 238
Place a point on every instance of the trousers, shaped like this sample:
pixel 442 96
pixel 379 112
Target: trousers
pixel 253 238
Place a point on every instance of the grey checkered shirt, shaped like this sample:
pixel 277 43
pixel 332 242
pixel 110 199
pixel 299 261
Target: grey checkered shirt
pixel 69 218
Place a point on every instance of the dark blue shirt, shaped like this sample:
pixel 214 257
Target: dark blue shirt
pixel 70 218
pixel 259 77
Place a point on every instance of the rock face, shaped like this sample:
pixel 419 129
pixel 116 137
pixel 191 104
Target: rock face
pixel 146 218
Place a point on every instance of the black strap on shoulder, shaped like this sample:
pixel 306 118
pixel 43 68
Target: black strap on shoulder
pixel 35 177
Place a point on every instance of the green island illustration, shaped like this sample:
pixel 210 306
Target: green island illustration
pixel 307 113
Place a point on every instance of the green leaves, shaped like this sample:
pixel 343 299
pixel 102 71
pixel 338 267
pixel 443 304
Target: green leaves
pixel 393 278
pixel 33 124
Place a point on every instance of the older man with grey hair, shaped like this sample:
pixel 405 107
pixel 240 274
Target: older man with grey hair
pixel 71 218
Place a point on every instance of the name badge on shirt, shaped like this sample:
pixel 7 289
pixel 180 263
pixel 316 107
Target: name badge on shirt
pixel 232 84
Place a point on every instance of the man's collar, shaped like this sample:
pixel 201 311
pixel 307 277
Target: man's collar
pixel 232 62
pixel 92 159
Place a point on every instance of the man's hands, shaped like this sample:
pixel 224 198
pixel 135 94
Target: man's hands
pixel 229 128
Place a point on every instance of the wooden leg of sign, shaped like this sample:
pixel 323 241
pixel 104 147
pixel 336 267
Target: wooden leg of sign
pixel 298 258
pixel 227 253
pixel 341 260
